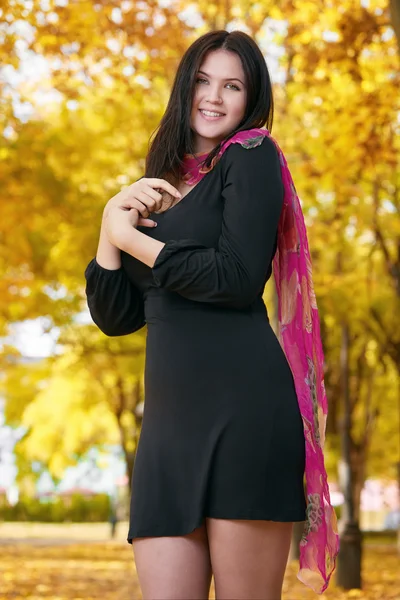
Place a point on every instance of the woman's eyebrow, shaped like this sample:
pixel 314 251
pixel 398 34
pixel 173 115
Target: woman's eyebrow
pixel 227 79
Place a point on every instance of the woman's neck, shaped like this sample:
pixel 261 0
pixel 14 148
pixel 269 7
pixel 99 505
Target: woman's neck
pixel 201 152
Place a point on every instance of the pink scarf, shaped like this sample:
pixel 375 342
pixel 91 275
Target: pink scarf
pixel 299 336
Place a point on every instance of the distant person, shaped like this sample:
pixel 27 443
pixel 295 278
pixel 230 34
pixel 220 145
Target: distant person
pixel 230 413
pixel 392 520
pixel 113 517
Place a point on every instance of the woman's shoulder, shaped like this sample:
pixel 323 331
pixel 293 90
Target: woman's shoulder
pixel 256 152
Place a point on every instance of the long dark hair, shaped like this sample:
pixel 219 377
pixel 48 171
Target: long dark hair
pixel 174 136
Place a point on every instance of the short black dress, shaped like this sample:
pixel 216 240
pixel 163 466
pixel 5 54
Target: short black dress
pixel 222 433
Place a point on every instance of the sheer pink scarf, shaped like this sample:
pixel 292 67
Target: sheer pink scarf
pixel 299 336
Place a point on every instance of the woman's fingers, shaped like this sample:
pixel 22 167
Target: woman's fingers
pixel 146 222
pixel 151 193
pixel 154 182
pixel 136 220
pixel 151 204
pixel 140 207
pixel 142 196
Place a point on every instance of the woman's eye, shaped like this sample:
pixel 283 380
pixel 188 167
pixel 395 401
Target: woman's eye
pixel 235 86
pixel 201 80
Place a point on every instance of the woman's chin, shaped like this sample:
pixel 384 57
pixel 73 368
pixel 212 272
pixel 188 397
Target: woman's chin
pixel 210 132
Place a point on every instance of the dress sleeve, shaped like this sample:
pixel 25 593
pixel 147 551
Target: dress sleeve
pixel 234 273
pixel 115 304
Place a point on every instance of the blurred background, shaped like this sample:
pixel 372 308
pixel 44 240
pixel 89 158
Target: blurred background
pixel 83 84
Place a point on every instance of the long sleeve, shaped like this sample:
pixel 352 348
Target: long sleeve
pixel 234 273
pixel 115 304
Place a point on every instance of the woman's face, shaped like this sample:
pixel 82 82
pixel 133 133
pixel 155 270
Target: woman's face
pixel 219 89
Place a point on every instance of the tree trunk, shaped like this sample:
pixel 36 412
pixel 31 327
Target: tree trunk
pixel 395 18
pixel 398 474
pixel 129 459
pixel 127 435
pixel 298 529
pixel 348 573
pixel 398 528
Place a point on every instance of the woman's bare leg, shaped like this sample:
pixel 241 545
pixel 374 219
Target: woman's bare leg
pixel 248 557
pixel 174 568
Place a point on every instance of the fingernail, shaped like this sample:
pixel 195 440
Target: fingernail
pixel 178 194
pixel 155 224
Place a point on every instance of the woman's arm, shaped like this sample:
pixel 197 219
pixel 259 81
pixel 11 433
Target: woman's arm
pixel 108 256
pixel 115 304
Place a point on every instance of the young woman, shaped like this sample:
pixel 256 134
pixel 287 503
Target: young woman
pixel 232 419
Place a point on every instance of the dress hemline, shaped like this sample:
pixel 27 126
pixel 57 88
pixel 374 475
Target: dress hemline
pixel 250 516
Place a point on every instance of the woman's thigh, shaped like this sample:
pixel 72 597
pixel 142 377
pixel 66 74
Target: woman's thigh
pixel 174 568
pixel 248 557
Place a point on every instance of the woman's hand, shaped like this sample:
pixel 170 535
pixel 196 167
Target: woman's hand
pixel 144 197
pixel 118 224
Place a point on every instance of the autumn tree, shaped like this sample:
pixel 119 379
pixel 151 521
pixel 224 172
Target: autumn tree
pixel 90 395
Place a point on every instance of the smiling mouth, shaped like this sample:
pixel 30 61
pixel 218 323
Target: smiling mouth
pixel 211 114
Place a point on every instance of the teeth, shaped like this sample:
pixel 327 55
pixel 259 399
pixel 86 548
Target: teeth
pixel 208 113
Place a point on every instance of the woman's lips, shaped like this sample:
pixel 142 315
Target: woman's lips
pixel 208 118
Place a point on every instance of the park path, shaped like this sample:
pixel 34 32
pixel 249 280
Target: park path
pixel 58 534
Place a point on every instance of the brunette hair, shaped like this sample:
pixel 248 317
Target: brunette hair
pixel 174 136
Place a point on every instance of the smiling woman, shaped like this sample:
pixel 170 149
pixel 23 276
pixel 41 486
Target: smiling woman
pixel 230 89
pixel 218 475
pixel 218 103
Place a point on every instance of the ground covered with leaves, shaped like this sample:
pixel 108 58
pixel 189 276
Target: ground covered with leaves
pixel 70 569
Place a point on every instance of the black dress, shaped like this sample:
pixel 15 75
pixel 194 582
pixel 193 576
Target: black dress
pixel 222 434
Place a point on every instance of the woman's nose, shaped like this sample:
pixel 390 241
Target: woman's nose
pixel 214 95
